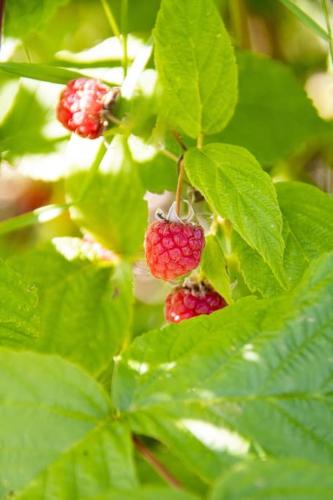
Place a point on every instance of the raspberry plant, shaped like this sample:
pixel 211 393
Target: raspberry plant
pixel 99 396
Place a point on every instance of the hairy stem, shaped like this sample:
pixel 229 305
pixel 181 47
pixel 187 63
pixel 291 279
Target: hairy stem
pixel 181 174
pixel 155 463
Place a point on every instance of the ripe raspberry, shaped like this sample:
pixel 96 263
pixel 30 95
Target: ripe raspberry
pixel 82 105
pixel 173 248
pixel 184 303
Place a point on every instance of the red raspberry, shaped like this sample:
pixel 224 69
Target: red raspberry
pixel 184 303
pixel 82 105
pixel 173 248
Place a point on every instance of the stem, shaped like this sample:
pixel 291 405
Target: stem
pixel 239 23
pixel 124 17
pixel 326 12
pixel 179 139
pixel 180 185
pixel 37 216
pixel 155 463
pixel 2 13
pixel 200 141
pixel 110 17
pixel 168 154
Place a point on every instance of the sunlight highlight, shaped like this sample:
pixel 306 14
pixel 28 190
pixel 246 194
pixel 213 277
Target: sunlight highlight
pixel 249 354
pixel 216 438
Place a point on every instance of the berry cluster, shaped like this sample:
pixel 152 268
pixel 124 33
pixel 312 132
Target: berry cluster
pixel 173 247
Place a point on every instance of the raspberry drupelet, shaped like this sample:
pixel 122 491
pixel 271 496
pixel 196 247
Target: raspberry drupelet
pixel 83 106
pixel 187 302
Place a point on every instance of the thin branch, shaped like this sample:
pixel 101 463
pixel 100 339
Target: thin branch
pixel 110 17
pixel 2 15
pixel 180 185
pixel 124 28
pixel 179 139
pixel 326 12
pixel 155 463
pixel 168 154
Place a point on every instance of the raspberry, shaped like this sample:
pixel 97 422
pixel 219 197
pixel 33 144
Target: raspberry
pixel 173 248
pixel 82 107
pixel 184 303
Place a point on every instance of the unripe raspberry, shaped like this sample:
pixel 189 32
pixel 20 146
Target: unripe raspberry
pixel 187 302
pixel 83 106
pixel 173 249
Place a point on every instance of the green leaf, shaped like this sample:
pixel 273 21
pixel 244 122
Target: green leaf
pixel 284 479
pixel 112 206
pixel 43 72
pixel 47 406
pixel 37 216
pixel 158 174
pixel 148 493
pixel 213 265
pixel 309 214
pixel 86 308
pixel 258 372
pixel 100 462
pixel 270 121
pixel 19 315
pixel 238 189
pixel 22 17
pixel 257 274
pixel 308 232
pixel 19 134
pixel 306 19
pixel 196 66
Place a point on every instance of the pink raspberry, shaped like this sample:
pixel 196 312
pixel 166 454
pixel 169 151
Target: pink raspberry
pixel 82 105
pixel 184 303
pixel 173 249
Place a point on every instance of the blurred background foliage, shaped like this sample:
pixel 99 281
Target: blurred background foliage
pixel 284 115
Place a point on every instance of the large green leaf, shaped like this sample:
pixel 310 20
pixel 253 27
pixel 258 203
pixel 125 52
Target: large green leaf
pixel 22 17
pixel 147 493
pixel 19 318
pixel 258 372
pixel 100 462
pixel 276 480
pixel 196 66
pixel 19 134
pixel 85 308
pixel 237 188
pixel 308 232
pixel 112 206
pixel 273 116
pixel 309 214
pixel 46 406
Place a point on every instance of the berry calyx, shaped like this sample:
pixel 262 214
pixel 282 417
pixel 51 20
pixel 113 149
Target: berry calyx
pixel 173 248
pixel 189 301
pixel 84 105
